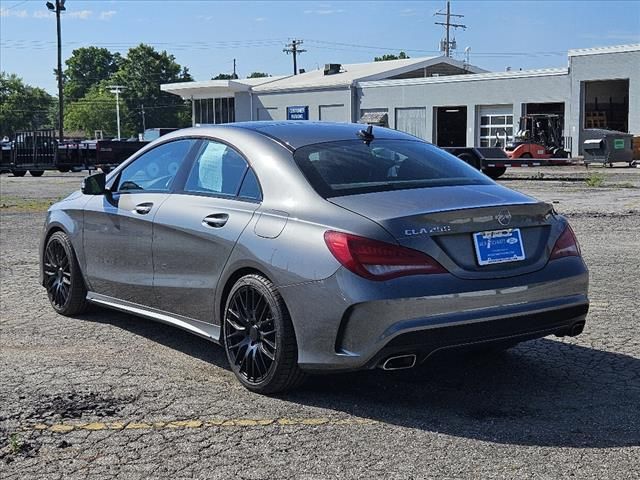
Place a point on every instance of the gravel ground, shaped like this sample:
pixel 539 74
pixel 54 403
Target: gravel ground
pixel 109 395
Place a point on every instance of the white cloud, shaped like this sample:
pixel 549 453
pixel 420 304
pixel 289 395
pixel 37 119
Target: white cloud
pixel 326 11
pixel 81 14
pixel 260 19
pixel 408 12
pixel 42 14
pixel 619 36
pixel 5 12
pixel 107 15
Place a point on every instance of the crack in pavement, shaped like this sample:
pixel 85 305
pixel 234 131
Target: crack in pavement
pixel 196 423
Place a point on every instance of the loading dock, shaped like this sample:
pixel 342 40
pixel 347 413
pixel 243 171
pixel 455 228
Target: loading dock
pixel 552 108
pixel 606 104
pixel 451 126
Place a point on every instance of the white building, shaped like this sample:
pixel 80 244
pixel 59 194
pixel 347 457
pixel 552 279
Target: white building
pixel 439 99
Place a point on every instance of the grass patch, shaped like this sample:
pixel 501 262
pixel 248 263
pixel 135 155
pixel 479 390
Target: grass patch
pixel 15 445
pixel 25 205
pixel 595 180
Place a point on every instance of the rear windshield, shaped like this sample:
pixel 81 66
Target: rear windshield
pixel 352 167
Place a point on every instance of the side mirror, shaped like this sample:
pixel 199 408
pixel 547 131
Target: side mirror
pixel 94 184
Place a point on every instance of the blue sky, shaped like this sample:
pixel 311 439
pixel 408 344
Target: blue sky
pixel 206 35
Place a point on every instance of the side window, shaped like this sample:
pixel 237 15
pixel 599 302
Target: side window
pixel 250 187
pixel 219 169
pixel 155 169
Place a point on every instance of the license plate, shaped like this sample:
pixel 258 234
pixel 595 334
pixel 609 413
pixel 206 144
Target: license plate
pixel 499 246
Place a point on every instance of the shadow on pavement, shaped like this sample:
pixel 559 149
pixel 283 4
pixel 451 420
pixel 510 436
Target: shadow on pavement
pixel 540 393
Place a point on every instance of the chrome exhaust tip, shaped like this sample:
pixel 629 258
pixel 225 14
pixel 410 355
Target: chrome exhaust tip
pixel 399 362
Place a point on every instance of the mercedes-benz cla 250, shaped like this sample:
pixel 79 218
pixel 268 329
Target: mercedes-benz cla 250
pixel 306 247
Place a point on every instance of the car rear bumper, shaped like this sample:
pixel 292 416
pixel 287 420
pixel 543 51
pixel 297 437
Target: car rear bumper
pixel 348 323
pixel 424 342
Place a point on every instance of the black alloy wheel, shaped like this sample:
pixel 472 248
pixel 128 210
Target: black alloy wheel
pixel 251 334
pixel 258 337
pixel 62 278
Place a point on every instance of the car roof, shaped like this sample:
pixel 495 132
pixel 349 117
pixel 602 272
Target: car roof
pixel 296 134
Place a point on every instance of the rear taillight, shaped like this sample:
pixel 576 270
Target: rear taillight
pixel 566 245
pixel 377 260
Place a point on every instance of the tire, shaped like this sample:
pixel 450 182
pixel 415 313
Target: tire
pixel 494 172
pixel 259 339
pixel 63 279
pixel 19 173
pixel 525 155
pixel 36 173
pixel 471 160
pixel 63 169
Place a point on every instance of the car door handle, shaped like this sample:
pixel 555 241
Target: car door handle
pixel 143 208
pixel 216 220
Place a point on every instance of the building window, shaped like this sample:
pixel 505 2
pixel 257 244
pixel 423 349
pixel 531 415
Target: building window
pixel 494 127
pixel 225 110
pixel 210 111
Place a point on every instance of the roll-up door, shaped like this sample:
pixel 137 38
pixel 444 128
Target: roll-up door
pixel 333 113
pixel 412 120
pixel 494 122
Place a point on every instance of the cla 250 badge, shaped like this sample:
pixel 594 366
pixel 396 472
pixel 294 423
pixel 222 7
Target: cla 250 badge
pixel 426 231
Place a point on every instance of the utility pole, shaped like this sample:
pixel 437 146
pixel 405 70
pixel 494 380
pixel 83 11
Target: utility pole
pixel 117 89
pixel 235 76
pixel 447 45
pixel 294 49
pixel 57 8
pixel 144 123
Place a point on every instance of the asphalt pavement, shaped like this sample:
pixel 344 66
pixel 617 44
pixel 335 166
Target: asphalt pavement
pixel 109 395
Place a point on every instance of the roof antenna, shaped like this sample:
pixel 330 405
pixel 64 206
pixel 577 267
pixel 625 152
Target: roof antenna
pixel 367 135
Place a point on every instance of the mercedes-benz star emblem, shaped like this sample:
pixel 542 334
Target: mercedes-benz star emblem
pixel 504 217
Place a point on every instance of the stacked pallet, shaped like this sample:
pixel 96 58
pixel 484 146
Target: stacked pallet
pixel 596 120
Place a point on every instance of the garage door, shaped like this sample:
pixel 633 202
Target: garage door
pixel 333 113
pixel 494 122
pixel 412 120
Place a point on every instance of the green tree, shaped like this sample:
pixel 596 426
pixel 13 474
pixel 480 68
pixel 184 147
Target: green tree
pixel 87 67
pixel 142 72
pixel 258 75
pixel 97 111
pixel 225 76
pixel 22 107
pixel 391 56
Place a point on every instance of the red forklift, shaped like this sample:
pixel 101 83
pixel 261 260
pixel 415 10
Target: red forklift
pixel 539 136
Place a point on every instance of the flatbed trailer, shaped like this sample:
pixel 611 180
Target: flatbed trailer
pixel 39 150
pixel 493 161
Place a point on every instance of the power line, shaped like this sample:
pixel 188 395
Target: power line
pixel 446 45
pixel 294 49
pixel 419 50
pixel 21 44
pixel 16 5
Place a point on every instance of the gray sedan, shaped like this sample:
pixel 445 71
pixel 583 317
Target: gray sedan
pixel 313 247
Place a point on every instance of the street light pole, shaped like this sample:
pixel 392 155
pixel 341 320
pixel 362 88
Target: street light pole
pixel 57 8
pixel 117 89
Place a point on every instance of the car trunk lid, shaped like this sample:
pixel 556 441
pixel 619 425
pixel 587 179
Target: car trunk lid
pixel 442 221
